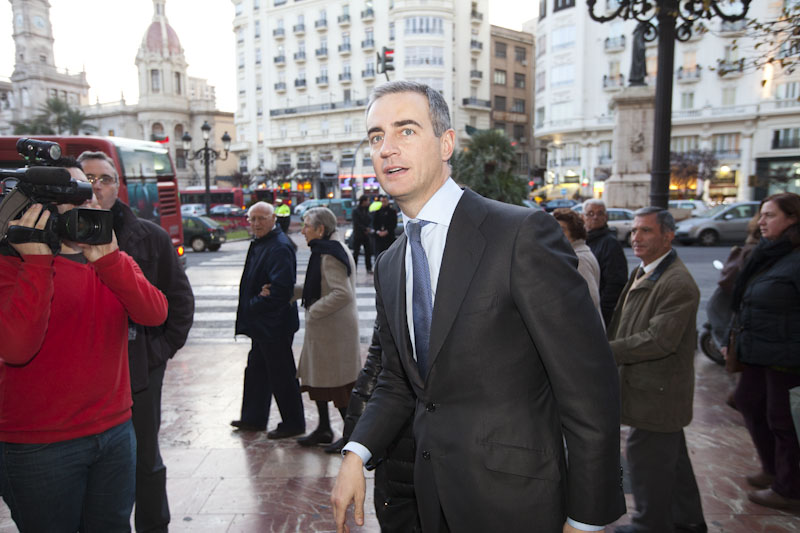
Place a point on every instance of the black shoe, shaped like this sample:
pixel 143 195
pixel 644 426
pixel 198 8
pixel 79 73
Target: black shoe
pixel 284 433
pixel 244 426
pixel 318 436
pixel 691 528
pixel 336 447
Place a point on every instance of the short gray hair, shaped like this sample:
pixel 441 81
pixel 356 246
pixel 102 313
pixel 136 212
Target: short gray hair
pixel 437 106
pixel 594 201
pixel 664 217
pixel 321 216
pixel 101 156
pixel 261 205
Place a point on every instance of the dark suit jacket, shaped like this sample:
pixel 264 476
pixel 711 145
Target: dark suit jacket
pixel 518 358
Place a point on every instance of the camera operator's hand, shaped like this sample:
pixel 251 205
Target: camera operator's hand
pixel 93 252
pixel 32 219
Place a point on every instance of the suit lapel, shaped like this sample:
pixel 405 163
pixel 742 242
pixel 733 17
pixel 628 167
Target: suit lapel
pixel 462 255
pixel 393 291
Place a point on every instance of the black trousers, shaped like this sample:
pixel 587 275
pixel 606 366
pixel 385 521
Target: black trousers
pixel 664 488
pixel 152 508
pixel 271 372
pixel 358 242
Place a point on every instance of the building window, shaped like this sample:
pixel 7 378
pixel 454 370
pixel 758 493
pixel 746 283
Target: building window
pixel 424 55
pixel 787 91
pixel 348 125
pixel 424 25
pixel 542 8
pixel 561 111
pixel 728 96
pixel 684 143
pixel 258 56
pixel 257 29
pixel 519 80
pixel 155 80
pixel 499 77
pixel 539 117
pixel 687 100
pixel 391 31
pixel 518 106
pixel 178 88
pixel 519 54
pixel 500 49
pixel 604 147
pixel 519 131
pixel 562 4
pixel 726 145
pixel 541 45
pixel 541 81
pixel 786 138
pixel 238 9
pixel 500 126
pixel 500 103
pixel 563 37
pixel 562 75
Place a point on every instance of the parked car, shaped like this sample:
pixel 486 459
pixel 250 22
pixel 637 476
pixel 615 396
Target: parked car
pixel 201 233
pixel 193 210
pixel 552 205
pixel 621 222
pixel 341 207
pixel 720 223
pixel 228 210
pixel 533 205
pixel 695 207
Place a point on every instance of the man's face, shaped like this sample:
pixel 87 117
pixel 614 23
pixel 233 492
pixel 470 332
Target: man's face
pixel 262 220
pixel 649 242
pixel 409 160
pixel 104 181
pixel 78 175
pixel 595 217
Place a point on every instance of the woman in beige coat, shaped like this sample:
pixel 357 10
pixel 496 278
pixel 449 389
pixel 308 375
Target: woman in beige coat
pixel 331 355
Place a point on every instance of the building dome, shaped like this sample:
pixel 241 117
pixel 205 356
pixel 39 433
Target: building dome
pixel 157 34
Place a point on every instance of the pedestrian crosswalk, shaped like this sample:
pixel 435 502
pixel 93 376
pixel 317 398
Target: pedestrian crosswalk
pixel 215 282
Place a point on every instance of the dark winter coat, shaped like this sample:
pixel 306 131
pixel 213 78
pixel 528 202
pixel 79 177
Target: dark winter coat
pixel 270 259
pixel 613 268
pixel 151 247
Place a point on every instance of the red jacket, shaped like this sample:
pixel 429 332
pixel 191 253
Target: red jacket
pixel 64 344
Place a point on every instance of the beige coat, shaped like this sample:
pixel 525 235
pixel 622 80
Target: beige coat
pixel 589 268
pixel 331 355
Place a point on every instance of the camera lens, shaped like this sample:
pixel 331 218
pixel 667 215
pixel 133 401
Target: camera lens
pixel 87 227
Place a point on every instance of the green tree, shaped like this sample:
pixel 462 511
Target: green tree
pixel 35 126
pixel 486 165
pixel 55 117
pixel 75 121
pixel 54 112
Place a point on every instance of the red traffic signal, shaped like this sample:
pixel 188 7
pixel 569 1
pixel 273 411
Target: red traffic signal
pixel 386 60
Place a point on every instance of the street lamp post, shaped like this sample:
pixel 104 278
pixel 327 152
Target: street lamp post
pixel 667 13
pixel 208 154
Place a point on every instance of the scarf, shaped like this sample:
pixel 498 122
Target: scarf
pixel 763 257
pixel 312 288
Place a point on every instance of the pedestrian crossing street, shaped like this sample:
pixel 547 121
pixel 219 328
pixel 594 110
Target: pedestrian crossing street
pixel 217 296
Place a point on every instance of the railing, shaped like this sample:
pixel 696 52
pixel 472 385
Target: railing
pixel 280 86
pixel 368 44
pixel 368 14
pixel 344 48
pixel 322 80
pixel 690 74
pixel 299 56
pixel 728 154
pixel 299 28
pixel 476 45
pixel 345 76
pixel 476 15
pixel 368 73
pixel 280 59
pixel 731 27
pixel 349 104
pixel 321 52
pixel 615 43
pixel 321 24
pixel 476 74
pixel 727 67
pixel 343 19
pixel 279 33
pixel 476 102
pixel 300 82
pixel 613 82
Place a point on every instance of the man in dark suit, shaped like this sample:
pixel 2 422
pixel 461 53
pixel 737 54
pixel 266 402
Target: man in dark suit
pixel 476 318
pixel 384 221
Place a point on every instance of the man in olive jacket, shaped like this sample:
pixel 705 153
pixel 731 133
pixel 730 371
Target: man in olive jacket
pixel 653 338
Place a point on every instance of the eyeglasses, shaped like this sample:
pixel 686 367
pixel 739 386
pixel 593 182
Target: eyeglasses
pixel 105 179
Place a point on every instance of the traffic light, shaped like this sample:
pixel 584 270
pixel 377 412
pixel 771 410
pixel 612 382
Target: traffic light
pixel 386 61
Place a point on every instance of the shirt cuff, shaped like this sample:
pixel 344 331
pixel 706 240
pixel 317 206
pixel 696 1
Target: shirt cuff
pixel 584 527
pixel 358 449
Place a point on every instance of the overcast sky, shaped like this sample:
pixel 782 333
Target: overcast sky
pixel 103 37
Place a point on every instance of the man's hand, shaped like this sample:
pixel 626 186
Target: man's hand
pixel 350 486
pixel 724 352
pixel 265 290
pixel 31 219
pixel 93 252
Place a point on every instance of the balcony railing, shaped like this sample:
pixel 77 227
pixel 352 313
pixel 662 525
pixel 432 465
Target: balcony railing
pixel 732 27
pixel 613 82
pixel 728 154
pixel 615 43
pixel 570 161
pixel 368 73
pixel 476 16
pixel 279 33
pixel 730 68
pixel 476 74
pixel 299 28
pixel 690 74
pixel 300 82
pixel 605 160
pixel 280 60
pixel 344 48
pixel 368 14
pixel 321 24
pixel 368 44
pixel 280 86
pixel 300 56
pixel 321 52
pixel 343 20
pixel 476 102
pixel 322 80
pixel 475 46
pixel 345 76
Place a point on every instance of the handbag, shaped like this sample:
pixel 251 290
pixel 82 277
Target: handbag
pixel 732 363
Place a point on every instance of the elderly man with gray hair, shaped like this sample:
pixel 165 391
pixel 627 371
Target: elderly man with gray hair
pixel 267 315
pixel 653 338
pixel 608 251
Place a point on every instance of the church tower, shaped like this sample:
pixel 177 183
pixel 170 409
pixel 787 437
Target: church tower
pixel 35 77
pixel 160 60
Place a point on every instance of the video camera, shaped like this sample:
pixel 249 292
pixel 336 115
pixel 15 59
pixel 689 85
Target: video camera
pixel 49 186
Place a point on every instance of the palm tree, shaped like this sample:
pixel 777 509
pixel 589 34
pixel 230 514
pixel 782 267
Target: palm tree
pixel 54 111
pixel 486 166
pixel 36 126
pixel 75 121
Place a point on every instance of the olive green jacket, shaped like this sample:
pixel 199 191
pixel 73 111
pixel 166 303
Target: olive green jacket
pixel 653 337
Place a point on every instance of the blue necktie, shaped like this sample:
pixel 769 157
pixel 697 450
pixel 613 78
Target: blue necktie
pixel 422 303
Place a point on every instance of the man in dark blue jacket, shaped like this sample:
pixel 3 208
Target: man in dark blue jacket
pixel 270 319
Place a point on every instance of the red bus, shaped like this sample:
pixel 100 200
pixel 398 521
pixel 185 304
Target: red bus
pixel 147 177
pixel 219 195
pixel 290 198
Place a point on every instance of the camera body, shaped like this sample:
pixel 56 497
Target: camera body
pixel 50 186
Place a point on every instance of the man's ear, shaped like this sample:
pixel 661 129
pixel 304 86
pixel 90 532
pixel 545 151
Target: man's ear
pixel 447 143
